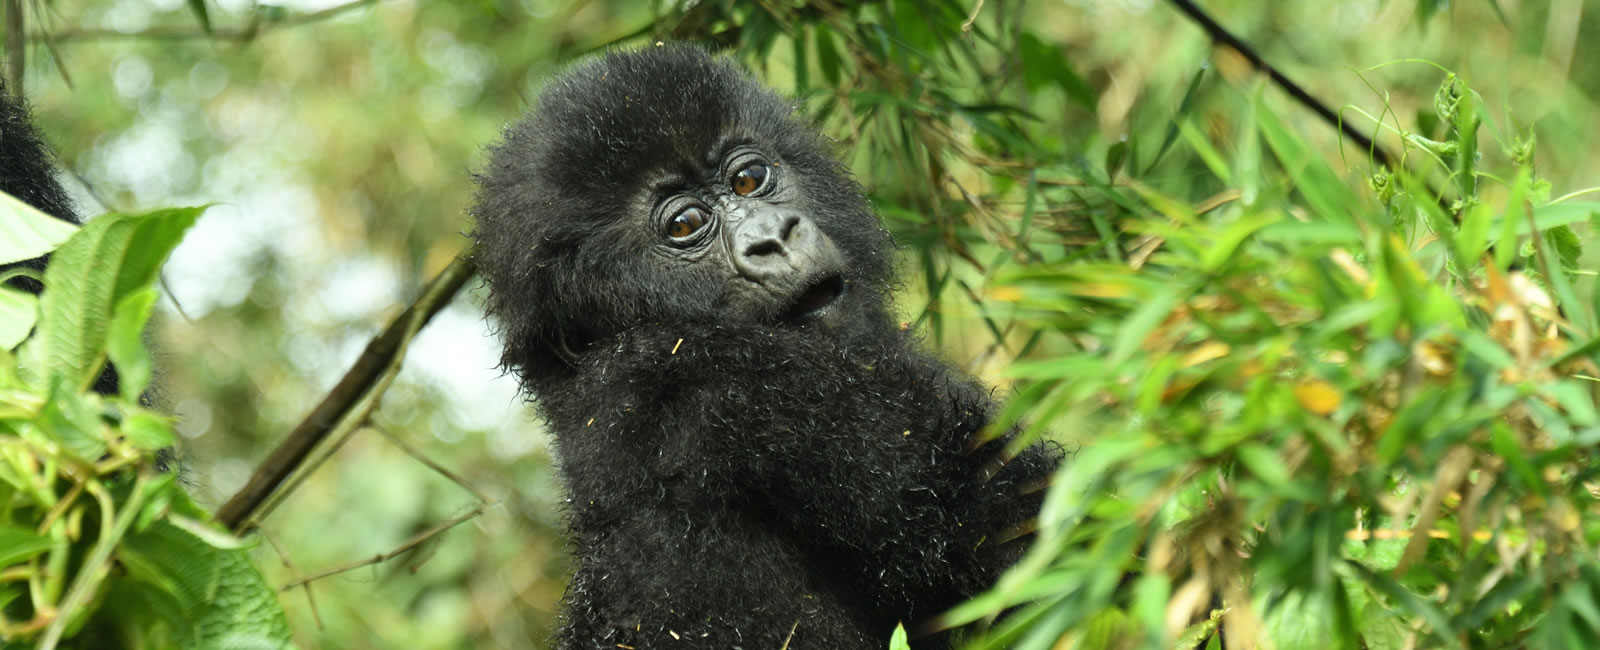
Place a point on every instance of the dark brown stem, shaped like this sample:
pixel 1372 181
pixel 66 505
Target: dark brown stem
pixel 16 47
pixel 250 31
pixel 1221 35
pixel 361 377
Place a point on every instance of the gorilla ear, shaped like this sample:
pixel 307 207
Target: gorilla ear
pixel 563 352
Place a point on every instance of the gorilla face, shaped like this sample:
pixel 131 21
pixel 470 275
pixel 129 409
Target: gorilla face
pixel 666 186
pixel 741 226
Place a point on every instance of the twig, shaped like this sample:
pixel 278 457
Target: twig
pixel 96 567
pixel 1223 36
pixel 966 25
pixel 16 48
pixel 352 388
pixel 311 598
pixel 384 557
pixel 253 29
pixel 442 470
pixel 353 419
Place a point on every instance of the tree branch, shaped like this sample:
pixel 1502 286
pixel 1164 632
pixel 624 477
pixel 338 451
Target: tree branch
pixel 16 48
pixel 1221 35
pixel 350 390
pixel 256 27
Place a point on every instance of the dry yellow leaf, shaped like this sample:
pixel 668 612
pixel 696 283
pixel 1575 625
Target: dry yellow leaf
pixel 1317 396
pixel 1435 358
pixel 1006 294
pixel 1205 352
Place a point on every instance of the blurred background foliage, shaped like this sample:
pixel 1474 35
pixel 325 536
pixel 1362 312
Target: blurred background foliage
pixel 337 142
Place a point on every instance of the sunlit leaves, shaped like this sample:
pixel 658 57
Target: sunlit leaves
pixel 109 259
pixel 103 546
pixel 1342 397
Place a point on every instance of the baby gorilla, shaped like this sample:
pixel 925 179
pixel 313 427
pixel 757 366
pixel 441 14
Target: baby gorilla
pixel 696 295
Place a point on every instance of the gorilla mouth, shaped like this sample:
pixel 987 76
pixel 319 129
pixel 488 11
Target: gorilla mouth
pixel 815 299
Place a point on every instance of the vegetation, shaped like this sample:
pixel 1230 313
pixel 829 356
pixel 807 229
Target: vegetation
pixel 1316 400
pixel 97 542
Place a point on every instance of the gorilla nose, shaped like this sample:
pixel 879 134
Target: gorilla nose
pixel 771 242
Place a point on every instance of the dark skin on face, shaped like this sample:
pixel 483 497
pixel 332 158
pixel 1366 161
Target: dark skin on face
pixel 694 292
pixel 779 264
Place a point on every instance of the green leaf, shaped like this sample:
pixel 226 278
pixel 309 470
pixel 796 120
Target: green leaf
pixel 1547 217
pixel 1575 399
pixel 897 641
pixel 26 232
pixel 1179 118
pixel 1403 597
pixel 18 311
pixel 1044 63
pixel 1116 154
pixel 1144 320
pixel 19 544
pixel 1265 464
pixel 1228 239
pixel 218 596
pixel 1108 629
pixel 828 56
pixel 73 419
pixel 125 342
pixel 148 431
pixel 1328 195
pixel 107 260
pixel 198 8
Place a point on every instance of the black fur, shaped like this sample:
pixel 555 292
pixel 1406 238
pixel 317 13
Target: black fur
pixel 733 481
pixel 27 171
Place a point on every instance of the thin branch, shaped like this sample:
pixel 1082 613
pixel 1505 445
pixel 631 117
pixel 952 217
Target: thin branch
pixel 972 17
pixel 354 418
pixel 16 48
pixel 311 597
pixel 249 32
pixel 397 551
pixel 441 469
pixel 350 390
pixel 1221 35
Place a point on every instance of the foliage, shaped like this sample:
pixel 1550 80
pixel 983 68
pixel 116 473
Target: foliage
pixel 1359 418
pixel 100 546
pixel 1315 402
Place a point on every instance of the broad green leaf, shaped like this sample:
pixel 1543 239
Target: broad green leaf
pixel 125 342
pixel 220 598
pixel 26 232
pixel 72 418
pixel 147 431
pixel 108 259
pixel 19 544
pixel 18 310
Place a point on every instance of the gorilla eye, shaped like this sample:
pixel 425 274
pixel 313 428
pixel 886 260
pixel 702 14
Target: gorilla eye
pixel 686 223
pixel 750 179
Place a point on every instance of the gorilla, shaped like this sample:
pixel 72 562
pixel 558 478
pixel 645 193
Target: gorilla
pixel 27 171
pixel 695 294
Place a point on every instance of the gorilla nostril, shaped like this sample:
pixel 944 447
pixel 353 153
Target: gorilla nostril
pixel 764 247
pixel 789 226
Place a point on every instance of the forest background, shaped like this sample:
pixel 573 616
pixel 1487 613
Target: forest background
pixel 1052 169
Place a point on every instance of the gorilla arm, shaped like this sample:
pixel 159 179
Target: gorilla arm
pixel 679 560
pixel 862 455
